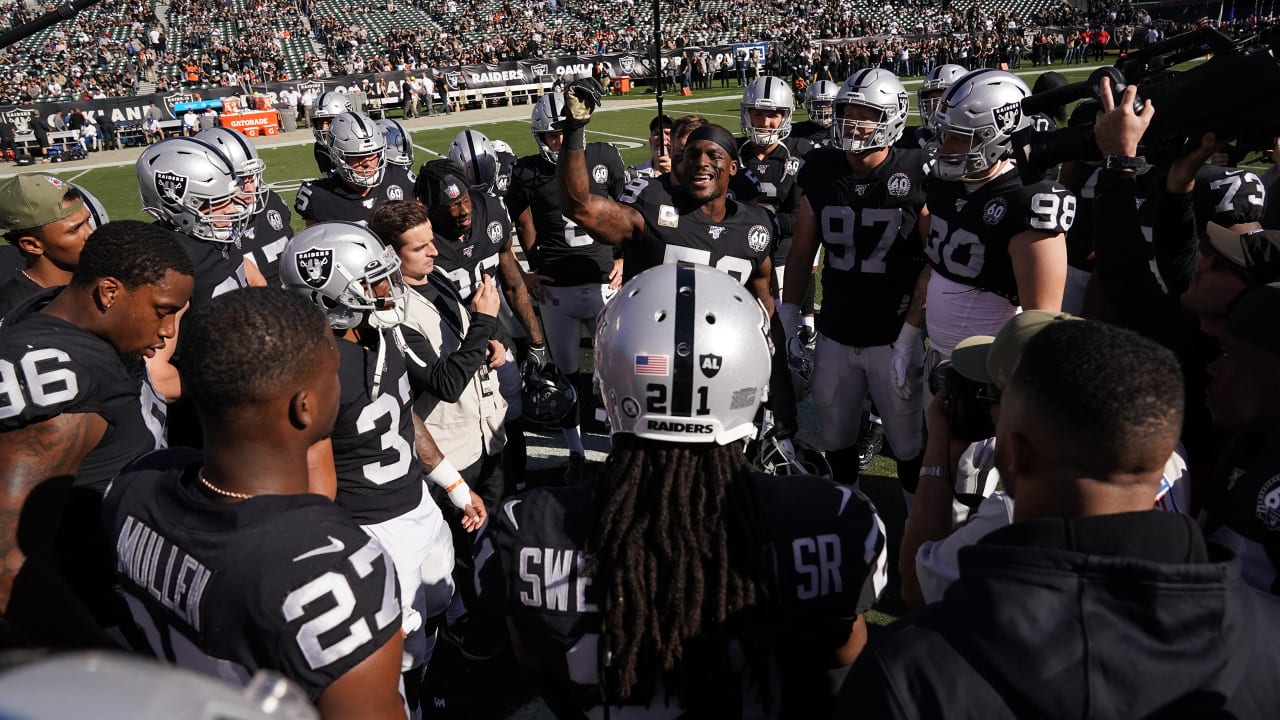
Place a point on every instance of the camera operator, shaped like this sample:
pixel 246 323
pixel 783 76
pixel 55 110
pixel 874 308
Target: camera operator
pixel 1156 281
pixel 957 502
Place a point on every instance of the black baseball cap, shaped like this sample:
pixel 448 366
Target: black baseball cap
pixel 664 120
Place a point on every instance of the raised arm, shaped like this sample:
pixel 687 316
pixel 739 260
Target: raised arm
pixel 606 220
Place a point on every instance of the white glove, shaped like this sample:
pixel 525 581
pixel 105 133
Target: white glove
pixel 907 362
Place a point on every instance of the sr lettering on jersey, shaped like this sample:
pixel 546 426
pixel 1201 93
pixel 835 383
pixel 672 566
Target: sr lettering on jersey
pixel 817 561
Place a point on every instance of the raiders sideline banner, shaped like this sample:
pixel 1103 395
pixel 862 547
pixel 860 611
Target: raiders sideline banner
pixel 513 73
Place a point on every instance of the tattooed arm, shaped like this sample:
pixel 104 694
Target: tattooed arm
pixel 29 456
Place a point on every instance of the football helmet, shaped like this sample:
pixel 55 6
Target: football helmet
pixel 339 266
pixel 546 395
pixel 682 355
pixel 244 160
pixel 502 147
pixel 356 135
pixel 182 180
pixel 399 145
pixel 97 211
pixel 791 456
pixel 767 93
pixel 934 87
pixel 979 114
pixel 546 118
pixel 879 90
pixel 475 154
pixel 326 107
pixel 818 102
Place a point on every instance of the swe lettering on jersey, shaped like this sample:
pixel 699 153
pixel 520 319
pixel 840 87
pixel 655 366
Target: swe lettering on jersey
pixel 873 249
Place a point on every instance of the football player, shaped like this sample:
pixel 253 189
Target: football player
pixel 864 203
pixel 658 222
pixel 819 102
pixel 993 243
pixel 472 151
pixel 472 232
pixel 78 407
pixel 693 570
pixel 329 105
pixel 378 445
pixel 191 188
pixel 399 150
pixel 271 225
pixel 931 90
pixel 361 177
pixel 572 276
pixel 227 561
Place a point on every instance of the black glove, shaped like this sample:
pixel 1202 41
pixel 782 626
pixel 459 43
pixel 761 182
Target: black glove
pixel 537 355
pixel 581 98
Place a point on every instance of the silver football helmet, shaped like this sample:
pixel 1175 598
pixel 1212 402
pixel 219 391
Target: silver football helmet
pixel 341 267
pixel 502 147
pixel 356 135
pixel 474 153
pixel 974 124
pixel 545 119
pixel 682 355
pixel 767 93
pixel 183 181
pixel 819 101
pixel 934 87
pixel 399 145
pixel 328 106
pixel 881 91
pixel 97 211
pixel 244 159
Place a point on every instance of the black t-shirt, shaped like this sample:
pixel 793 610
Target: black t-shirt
pixel 330 198
pixel 266 237
pixel 969 232
pixel 54 367
pixel 827 543
pixel 874 254
pixel 379 474
pixel 564 251
pixel 675 228
pixel 470 261
pixel 279 582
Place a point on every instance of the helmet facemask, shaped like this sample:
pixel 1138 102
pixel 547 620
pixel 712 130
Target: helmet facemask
pixel 974 162
pixel 361 293
pixel 845 130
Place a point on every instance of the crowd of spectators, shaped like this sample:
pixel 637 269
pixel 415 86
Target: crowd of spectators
pixel 121 47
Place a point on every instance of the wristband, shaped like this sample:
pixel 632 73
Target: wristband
pixel 450 480
pixel 575 138
pixel 933 471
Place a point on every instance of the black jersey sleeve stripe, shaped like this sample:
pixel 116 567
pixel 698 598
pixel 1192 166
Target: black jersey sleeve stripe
pixel 682 363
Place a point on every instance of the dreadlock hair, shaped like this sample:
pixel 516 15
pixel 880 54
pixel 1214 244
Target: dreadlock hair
pixel 682 554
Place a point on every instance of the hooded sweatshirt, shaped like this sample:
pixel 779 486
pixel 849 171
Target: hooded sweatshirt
pixel 1115 616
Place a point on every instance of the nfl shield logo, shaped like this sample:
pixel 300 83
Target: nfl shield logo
pixel 315 266
pixel 171 187
pixel 627 63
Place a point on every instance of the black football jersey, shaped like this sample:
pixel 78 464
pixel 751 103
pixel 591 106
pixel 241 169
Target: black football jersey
pixel 219 267
pixel 809 130
pixel 772 182
pixel 828 545
pixel 49 367
pixel 564 251
pixel 276 582
pixel 675 228
pixel 324 163
pixel 1243 513
pixel 330 198
pixel 969 232
pixel 379 474
pixel 266 237
pixel 1228 196
pixel 874 253
pixel 502 182
pixel 469 262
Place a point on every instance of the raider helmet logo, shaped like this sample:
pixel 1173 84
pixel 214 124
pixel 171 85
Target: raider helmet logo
pixel 627 63
pixel 171 187
pixel 1007 117
pixel 315 266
